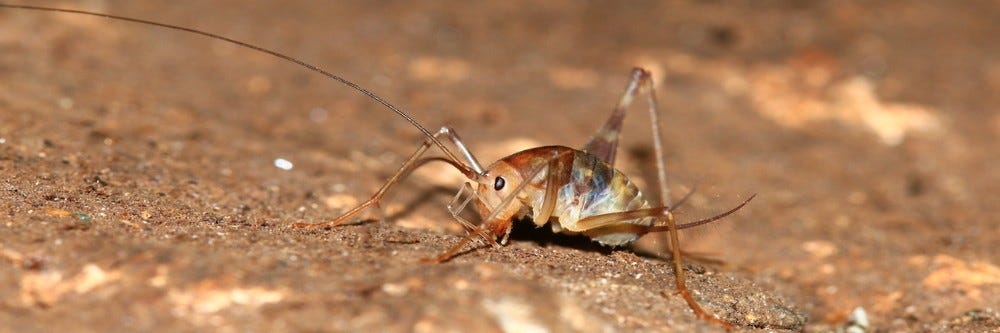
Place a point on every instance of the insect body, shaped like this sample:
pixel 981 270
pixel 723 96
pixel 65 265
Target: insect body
pixel 589 187
pixel 585 187
pixel 575 191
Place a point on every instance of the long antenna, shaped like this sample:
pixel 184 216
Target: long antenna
pixel 466 168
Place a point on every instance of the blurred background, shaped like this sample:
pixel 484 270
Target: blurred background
pixel 141 190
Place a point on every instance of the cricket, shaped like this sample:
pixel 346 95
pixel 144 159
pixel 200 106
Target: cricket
pixel 574 191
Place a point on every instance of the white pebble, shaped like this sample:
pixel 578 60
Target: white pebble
pixel 283 164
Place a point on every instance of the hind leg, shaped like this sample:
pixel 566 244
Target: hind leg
pixel 604 145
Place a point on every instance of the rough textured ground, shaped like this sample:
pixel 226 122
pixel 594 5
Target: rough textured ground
pixel 138 190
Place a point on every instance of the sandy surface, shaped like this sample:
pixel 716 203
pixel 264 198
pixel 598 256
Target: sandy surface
pixel 139 190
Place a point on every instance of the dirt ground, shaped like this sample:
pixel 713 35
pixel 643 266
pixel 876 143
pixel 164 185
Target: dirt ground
pixel 141 187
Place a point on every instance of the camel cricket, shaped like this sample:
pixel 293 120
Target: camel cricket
pixel 575 191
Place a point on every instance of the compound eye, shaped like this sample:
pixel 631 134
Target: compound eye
pixel 499 183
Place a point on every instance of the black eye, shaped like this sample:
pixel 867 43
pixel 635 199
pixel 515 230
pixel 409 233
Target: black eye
pixel 499 183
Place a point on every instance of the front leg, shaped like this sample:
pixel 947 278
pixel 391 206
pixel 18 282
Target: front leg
pixel 492 229
pixel 471 170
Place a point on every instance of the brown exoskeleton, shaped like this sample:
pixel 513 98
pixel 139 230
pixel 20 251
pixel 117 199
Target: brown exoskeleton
pixel 575 191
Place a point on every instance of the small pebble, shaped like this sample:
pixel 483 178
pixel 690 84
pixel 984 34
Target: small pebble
pixel 283 164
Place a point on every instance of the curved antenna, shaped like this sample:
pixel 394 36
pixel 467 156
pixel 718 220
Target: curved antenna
pixel 465 168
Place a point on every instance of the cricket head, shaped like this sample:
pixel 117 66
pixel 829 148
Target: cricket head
pixel 497 190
